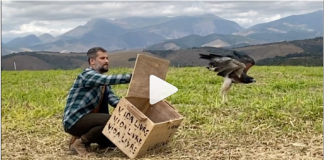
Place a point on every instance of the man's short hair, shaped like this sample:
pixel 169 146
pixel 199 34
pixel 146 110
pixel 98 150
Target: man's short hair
pixel 92 52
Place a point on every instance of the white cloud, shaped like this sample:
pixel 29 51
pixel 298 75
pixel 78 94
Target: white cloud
pixel 54 28
pixel 273 18
pixel 168 10
pixel 247 14
pixel 37 27
pixel 192 9
pixel 244 21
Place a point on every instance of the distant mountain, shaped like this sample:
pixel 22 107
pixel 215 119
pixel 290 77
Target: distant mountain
pixel 140 22
pixel 307 22
pixel 94 33
pixel 307 52
pixel 211 40
pixel 288 36
pixel 139 39
pixel 4 49
pixel 293 27
pixel 44 38
pixel 199 25
pixel 172 33
pixel 24 42
pixel 135 33
pixel 93 30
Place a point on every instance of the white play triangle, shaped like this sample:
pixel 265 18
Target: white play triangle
pixel 159 89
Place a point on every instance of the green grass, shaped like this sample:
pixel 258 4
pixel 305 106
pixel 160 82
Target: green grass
pixel 279 117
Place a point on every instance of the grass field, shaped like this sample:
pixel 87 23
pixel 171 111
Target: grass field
pixel 279 117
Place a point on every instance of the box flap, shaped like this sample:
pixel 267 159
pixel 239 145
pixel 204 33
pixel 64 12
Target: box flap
pixel 144 67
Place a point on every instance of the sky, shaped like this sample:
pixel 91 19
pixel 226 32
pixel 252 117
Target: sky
pixel 38 17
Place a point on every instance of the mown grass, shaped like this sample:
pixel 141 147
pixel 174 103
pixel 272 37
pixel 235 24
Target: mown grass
pixel 279 117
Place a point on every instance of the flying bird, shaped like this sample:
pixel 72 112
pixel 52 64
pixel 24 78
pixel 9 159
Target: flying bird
pixel 233 68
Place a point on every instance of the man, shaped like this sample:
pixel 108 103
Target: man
pixel 86 112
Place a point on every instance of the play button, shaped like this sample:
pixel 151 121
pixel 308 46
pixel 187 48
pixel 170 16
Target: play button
pixel 159 89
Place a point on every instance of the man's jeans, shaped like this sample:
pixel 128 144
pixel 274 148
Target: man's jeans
pixel 90 127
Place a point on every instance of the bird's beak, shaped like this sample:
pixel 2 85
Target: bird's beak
pixel 253 80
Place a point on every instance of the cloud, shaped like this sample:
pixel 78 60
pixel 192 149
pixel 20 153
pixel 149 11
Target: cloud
pixel 272 18
pixel 36 17
pixel 41 27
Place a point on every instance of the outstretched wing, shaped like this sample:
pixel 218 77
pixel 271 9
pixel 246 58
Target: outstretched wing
pixel 244 58
pixel 237 56
pixel 224 65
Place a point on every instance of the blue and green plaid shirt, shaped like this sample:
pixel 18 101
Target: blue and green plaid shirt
pixel 85 94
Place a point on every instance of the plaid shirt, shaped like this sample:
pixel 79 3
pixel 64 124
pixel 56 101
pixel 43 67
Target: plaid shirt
pixel 85 94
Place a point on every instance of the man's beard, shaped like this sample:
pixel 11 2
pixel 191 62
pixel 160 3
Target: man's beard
pixel 102 69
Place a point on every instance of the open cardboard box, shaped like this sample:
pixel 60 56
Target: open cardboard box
pixel 136 127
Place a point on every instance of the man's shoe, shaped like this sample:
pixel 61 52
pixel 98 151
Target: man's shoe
pixel 73 138
pixel 79 147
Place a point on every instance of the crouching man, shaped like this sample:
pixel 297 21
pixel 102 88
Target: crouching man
pixel 86 112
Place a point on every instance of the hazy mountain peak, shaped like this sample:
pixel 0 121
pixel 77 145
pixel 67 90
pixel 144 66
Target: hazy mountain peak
pixel 30 36
pixel 46 37
pixel 294 27
pixel 210 15
pixel 96 21
pixel 25 41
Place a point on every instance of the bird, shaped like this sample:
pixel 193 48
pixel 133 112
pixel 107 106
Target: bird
pixel 233 68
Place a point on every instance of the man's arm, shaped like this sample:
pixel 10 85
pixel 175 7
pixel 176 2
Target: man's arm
pixel 92 78
pixel 113 100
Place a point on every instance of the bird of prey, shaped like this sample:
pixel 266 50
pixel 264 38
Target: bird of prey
pixel 233 68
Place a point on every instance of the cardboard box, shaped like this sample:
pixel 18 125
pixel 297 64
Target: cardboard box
pixel 136 127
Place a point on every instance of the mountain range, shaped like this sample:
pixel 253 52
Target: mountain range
pixel 308 52
pixel 170 33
